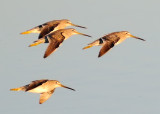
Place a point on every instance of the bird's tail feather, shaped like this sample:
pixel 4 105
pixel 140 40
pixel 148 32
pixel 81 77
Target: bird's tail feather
pixel 37 42
pixel 33 30
pixel 15 89
pixel 89 46
pixel 26 32
pixel 95 43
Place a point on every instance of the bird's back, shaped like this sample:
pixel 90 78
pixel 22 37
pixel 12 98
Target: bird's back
pixel 35 84
pixel 56 35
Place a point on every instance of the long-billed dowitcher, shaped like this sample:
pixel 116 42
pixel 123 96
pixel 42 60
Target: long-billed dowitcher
pixel 109 41
pixel 55 39
pixel 45 87
pixel 50 27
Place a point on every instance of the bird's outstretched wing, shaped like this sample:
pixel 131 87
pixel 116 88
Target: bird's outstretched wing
pixel 45 96
pixel 35 84
pixel 105 48
pixel 109 43
pixel 54 43
pixel 47 29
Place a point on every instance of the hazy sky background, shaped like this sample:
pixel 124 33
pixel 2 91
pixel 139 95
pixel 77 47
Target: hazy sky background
pixel 126 80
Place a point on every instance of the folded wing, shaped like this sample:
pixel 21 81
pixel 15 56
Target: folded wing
pixel 35 84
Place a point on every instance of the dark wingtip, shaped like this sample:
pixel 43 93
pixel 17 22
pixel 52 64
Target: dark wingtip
pixel 45 56
pixel 99 55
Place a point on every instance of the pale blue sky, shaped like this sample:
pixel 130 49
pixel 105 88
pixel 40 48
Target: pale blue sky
pixel 124 81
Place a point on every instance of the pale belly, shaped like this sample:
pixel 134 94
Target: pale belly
pixel 39 90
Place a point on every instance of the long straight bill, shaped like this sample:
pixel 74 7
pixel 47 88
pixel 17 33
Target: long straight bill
pixel 78 26
pixel 68 87
pixel 83 34
pixel 138 38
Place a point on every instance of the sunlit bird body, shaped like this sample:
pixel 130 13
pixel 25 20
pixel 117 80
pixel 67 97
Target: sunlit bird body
pixel 109 41
pixel 55 39
pixel 44 87
pixel 50 26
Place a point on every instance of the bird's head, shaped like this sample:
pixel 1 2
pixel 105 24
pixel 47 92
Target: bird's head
pixel 128 35
pixel 70 31
pixel 58 84
pixel 67 22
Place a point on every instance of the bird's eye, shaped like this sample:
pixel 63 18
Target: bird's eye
pixel 57 82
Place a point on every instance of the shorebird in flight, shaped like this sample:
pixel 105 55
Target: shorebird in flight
pixel 50 26
pixel 45 87
pixel 109 41
pixel 55 39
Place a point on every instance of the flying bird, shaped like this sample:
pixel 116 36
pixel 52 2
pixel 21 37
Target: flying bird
pixel 109 41
pixel 51 26
pixel 45 87
pixel 55 39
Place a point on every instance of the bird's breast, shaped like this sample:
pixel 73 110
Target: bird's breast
pixel 120 41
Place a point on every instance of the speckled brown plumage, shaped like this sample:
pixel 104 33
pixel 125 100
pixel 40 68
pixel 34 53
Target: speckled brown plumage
pixel 45 87
pixel 109 41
